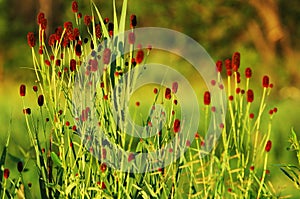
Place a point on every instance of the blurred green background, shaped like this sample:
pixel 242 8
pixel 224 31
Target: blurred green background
pixel 266 33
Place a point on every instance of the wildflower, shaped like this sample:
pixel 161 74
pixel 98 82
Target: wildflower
pixel 228 67
pixel 98 31
pixel 207 98
pixel 230 98
pixel 219 66
pixel 41 100
pixel 131 38
pixel 75 6
pixel 35 88
pixel 139 56
pixel 137 103
pixel 250 96
pixel 40 17
pixel 110 27
pixel 106 20
pixel 235 61
pixel 78 50
pixel 268 146
pixel 251 168
pixel 6 173
pixel 176 125
pixel 67 123
pixel 133 21
pixel 174 87
pixel 106 56
pixel 20 166
pixel 251 115
pixel 72 65
pixel 43 24
pixel 265 81
pixel 238 77
pixel 248 72
pixel 22 90
pixel 168 93
pixel 87 20
pixel 94 65
pixel 31 39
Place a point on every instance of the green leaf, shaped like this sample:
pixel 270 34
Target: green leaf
pixel 55 159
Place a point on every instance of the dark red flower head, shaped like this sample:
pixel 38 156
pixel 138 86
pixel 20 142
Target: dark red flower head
pixel 75 6
pixel 250 96
pixel 176 125
pixel 87 20
pixel 139 56
pixel 268 146
pixel 40 17
pixel 6 173
pixel 72 65
pixel 31 39
pixel 235 61
pixel 22 90
pixel 248 72
pixel 207 98
pixel 133 21
pixel 20 166
pixel 168 93
pixel 41 100
pixel 35 88
pixel 219 66
pixel 265 81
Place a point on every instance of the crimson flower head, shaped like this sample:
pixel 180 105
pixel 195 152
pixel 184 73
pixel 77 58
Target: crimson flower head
pixel 139 56
pixel 72 65
pixel 248 72
pixel 250 96
pixel 75 6
pixel 35 88
pixel 22 90
pixel 131 157
pixel 176 125
pixel 87 20
pixel 41 100
pixel 207 98
pixel 31 39
pixel 6 173
pixel 168 93
pixel 44 24
pixel 235 61
pixel 133 21
pixel 265 81
pixel 40 17
pixel 268 146
pixel 219 66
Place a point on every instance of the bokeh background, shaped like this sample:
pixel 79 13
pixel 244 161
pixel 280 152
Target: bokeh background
pixel 266 33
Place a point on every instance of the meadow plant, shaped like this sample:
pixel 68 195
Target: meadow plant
pixel 72 162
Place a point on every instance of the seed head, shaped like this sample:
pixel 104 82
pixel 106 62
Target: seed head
pixel 31 39
pixel 265 81
pixel 176 125
pixel 75 6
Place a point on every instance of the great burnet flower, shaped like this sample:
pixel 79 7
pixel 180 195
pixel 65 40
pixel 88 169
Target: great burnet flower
pixel 235 61
pixel 250 96
pixel 206 98
pixel 22 90
pixel 176 125
pixel 31 39
pixel 265 81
